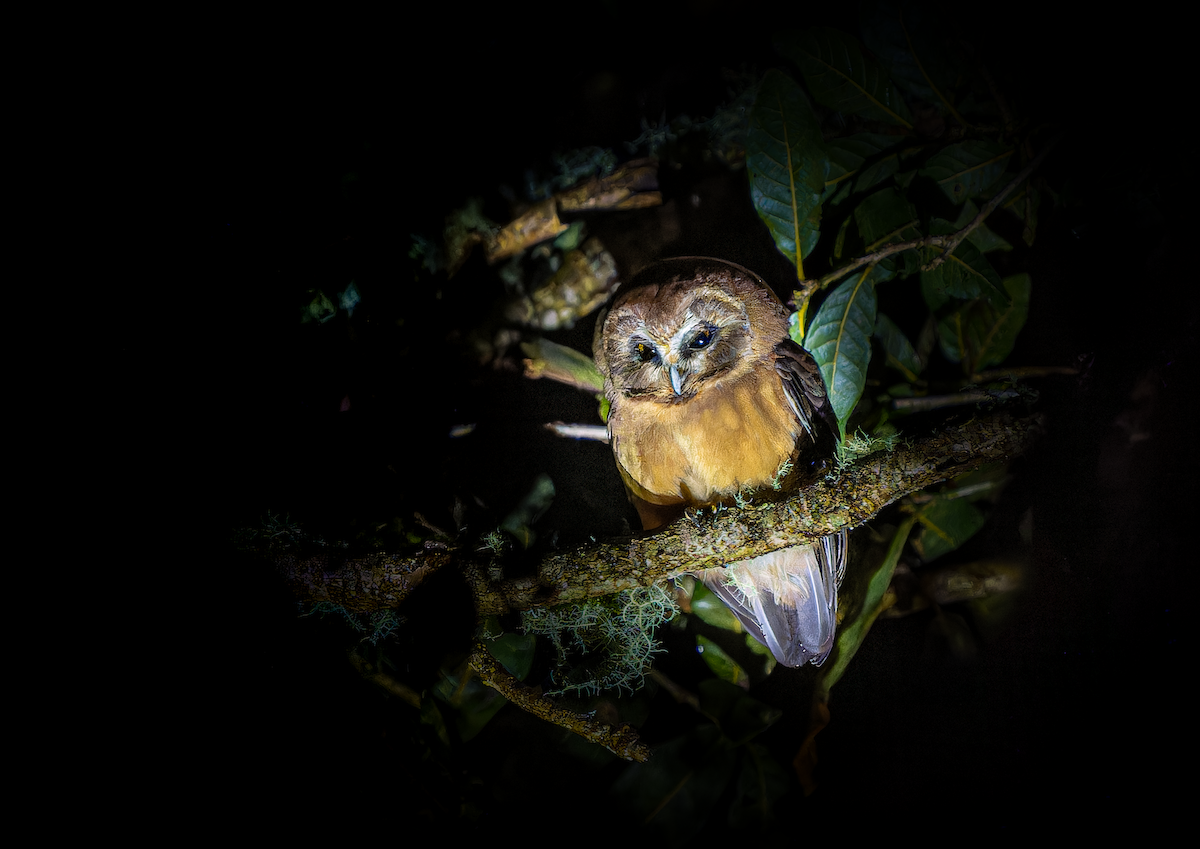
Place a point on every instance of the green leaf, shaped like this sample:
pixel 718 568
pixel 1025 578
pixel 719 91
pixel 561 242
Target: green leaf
pixel 520 521
pixel 840 341
pixel 952 336
pixel 904 178
pixel 761 783
pixel 739 716
pixel 968 169
pixel 841 76
pixel 881 217
pixel 887 217
pixel 927 338
pixel 854 629
pixel 982 237
pixel 474 702
pixel 562 363
pixel 786 161
pixel 966 274
pixel 720 663
pixel 946 523
pixel 1024 204
pixel 852 154
pixel 514 651
pixel 884 168
pixel 910 49
pixel 839 243
pixel 995 328
pixel 900 353
pixel 674 793
pixel 981 334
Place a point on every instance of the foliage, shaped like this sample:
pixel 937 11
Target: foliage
pixel 786 161
pixel 883 184
pixel 678 791
pixel 471 704
pixel 842 171
pixel 840 340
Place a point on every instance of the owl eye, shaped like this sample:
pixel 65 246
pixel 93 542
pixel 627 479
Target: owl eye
pixel 645 353
pixel 703 338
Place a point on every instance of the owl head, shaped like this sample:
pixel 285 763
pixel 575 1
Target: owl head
pixel 683 324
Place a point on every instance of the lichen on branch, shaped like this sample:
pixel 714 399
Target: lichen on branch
pixel 699 540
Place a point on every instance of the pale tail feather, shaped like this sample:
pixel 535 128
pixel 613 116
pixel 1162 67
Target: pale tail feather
pixel 787 599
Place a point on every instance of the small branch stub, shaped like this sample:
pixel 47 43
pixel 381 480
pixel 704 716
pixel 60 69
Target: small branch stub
pixel 621 740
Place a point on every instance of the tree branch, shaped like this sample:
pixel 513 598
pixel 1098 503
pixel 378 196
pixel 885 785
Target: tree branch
pixel 989 207
pixel 702 539
pixel 621 740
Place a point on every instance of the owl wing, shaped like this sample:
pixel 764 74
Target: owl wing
pixel 802 384
pixel 787 599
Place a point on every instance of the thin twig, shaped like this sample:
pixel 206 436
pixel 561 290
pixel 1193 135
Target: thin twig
pixel 1022 372
pixel 990 206
pixel 389 684
pixel 621 740
pixel 958 399
pixel 948 243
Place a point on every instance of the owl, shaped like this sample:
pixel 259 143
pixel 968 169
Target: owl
pixel 709 398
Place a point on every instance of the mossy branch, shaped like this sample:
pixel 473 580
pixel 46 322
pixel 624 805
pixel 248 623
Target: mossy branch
pixel 699 540
pixel 621 740
pixel 704 539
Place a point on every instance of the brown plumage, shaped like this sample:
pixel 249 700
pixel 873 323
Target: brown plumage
pixel 709 398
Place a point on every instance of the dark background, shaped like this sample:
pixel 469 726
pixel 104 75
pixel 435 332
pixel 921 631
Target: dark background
pixel 1075 709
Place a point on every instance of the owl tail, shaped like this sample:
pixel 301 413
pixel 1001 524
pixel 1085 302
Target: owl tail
pixel 787 599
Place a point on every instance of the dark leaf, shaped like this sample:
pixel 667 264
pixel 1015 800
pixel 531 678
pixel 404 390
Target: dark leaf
pixel 786 160
pixel 982 237
pixel 887 217
pixel 515 652
pixel 853 631
pixel 982 334
pixel 900 353
pixel 909 44
pixel 739 716
pixel 965 274
pixel 862 152
pixel 883 216
pixel 968 169
pixel 674 793
pixel 840 341
pixel 946 523
pixel 1024 204
pixel 844 78
pixel 761 782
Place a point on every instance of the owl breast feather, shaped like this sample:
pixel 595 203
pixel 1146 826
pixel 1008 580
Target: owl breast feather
pixel 724 439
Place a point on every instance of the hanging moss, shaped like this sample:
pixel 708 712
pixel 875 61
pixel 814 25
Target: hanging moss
pixel 603 643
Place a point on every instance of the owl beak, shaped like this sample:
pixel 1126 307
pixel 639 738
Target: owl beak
pixel 676 380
